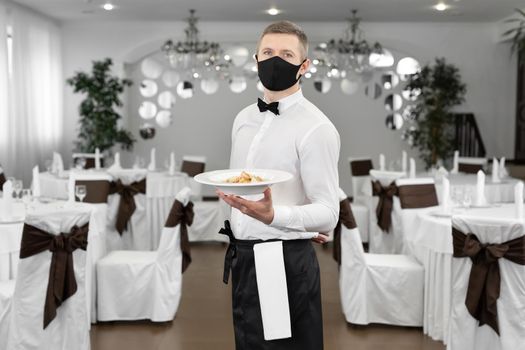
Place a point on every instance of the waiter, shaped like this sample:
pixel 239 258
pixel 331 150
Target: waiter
pixel 286 132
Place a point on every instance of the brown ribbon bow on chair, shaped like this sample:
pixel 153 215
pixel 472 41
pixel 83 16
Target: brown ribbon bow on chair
pixel 127 205
pixel 182 215
pixel 385 204
pixel 62 283
pixel 484 280
pixel 2 180
pixel 346 217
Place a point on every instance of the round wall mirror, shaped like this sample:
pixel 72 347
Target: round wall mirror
pixel 393 102
pixel 185 89
pixel 147 131
pixel 151 68
pixel 389 80
pixel 323 85
pixel 166 100
pixel 238 84
pixel 148 88
pixel 170 78
pixel 394 121
pixel 147 110
pixel 164 119
pixel 373 90
pixel 209 86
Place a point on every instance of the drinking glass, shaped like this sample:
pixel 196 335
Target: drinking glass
pixel 80 192
pixel 27 197
pixel 467 198
pixel 18 185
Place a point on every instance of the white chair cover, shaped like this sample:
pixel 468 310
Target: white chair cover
pixel 196 188
pixel 379 288
pixel 464 333
pixel 7 289
pixel 70 328
pixel 209 219
pixel 381 242
pixel 405 219
pixel 137 236
pixel 134 285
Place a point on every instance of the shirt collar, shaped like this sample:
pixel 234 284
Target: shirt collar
pixel 290 100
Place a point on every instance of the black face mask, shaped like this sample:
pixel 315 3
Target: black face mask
pixel 277 74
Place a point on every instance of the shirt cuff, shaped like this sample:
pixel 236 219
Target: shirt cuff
pixel 281 216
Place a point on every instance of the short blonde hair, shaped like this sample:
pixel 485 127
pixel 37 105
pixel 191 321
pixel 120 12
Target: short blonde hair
pixel 287 27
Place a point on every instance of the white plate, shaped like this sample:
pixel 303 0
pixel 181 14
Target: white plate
pixel 217 178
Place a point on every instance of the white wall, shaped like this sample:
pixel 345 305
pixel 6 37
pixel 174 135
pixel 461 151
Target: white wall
pixel 202 124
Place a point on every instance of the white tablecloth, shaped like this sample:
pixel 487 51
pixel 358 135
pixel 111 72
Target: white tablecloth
pixel 430 242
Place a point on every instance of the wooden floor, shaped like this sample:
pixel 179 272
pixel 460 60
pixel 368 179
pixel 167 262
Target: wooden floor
pixel 204 320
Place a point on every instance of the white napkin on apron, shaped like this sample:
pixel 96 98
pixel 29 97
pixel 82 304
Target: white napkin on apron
pixel 273 291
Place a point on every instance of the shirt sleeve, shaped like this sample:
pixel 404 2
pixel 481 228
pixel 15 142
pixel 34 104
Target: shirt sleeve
pixel 318 155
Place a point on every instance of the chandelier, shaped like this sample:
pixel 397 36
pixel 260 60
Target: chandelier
pixel 350 52
pixel 193 53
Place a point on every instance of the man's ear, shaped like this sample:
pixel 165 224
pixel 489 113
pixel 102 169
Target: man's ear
pixel 304 67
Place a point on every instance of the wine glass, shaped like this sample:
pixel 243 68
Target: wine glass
pixel 467 198
pixel 81 163
pixel 18 185
pixel 27 197
pixel 80 192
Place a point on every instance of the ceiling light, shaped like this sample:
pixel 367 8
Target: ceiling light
pixel 273 11
pixel 441 6
pixel 108 6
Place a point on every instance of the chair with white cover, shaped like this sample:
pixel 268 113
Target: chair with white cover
pixel 379 288
pixel 49 308
pixel 362 193
pixel 194 165
pixel 413 196
pixel 381 238
pixel 471 165
pixel 135 285
pixel 7 289
pixel 360 215
pixel 488 284
pixel 209 219
pixel 127 225
pixel 97 193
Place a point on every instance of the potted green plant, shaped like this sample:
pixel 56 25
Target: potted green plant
pixel 438 88
pixel 517 35
pixel 98 115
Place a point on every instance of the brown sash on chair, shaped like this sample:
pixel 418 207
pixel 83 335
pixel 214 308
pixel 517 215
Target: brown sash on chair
pixel 417 196
pixel 484 280
pixel 127 205
pixel 361 167
pixel 2 180
pixel 97 191
pixel 346 217
pixel 62 283
pixel 469 168
pixel 385 204
pixel 182 215
pixel 192 168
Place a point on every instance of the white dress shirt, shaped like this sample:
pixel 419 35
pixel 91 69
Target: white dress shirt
pixel 302 141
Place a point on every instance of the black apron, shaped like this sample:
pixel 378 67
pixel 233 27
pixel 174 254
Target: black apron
pixel 304 295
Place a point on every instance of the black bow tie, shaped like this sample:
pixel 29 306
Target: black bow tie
pixel 272 107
